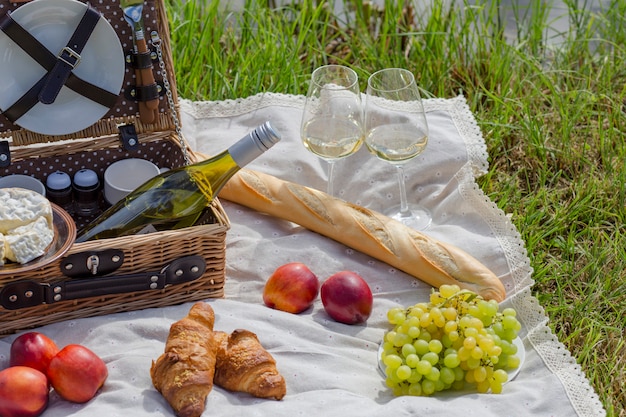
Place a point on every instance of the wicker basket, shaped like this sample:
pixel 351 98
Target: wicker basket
pixel 95 148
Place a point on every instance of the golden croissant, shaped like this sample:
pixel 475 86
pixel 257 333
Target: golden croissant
pixel 243 365
pixel 183 374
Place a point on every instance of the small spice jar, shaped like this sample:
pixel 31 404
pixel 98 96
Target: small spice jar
pixel 59 190
pixel 86 192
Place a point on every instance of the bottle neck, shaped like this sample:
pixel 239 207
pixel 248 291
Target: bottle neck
pixel 253 144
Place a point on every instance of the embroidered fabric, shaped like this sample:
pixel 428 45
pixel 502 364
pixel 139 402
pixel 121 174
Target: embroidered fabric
pixel 458 152
pixel 331 368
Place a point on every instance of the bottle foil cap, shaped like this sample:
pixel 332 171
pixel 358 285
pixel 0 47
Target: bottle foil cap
pixel 267 136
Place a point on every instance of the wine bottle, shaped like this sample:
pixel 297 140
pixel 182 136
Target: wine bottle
pixel 178 195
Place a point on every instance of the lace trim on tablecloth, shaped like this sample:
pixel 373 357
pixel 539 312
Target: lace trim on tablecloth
pixel 533 317
pixel 457 108
pixel 554 354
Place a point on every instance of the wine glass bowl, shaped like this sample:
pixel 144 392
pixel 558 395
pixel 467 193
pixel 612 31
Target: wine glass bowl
pixel 332 125
pixel 397 132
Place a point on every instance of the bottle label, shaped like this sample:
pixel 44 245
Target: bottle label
pixel 148 229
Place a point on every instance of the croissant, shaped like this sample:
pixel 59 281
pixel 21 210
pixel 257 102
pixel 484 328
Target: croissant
pixel 244 365
pixel 183 374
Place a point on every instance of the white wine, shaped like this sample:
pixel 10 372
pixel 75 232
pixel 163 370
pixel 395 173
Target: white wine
pixel 332 137
pixel 396 143
pixel 178 197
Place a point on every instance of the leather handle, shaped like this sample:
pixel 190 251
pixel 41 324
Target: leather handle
pixel 30 293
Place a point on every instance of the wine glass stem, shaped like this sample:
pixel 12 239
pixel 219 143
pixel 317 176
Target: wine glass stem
pixel 404 204
pixel 329 187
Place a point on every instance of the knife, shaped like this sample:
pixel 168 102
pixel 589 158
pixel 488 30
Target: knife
pixel 29 293
pixel 148 109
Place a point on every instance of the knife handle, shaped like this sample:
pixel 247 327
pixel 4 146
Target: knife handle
pixel 147 76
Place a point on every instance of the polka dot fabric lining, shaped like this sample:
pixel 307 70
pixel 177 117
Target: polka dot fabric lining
pixel 163 153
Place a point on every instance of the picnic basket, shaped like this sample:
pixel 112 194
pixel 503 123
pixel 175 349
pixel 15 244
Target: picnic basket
pixel 96 147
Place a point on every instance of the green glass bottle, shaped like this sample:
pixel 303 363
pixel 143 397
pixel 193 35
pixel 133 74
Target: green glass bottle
pixel 176 198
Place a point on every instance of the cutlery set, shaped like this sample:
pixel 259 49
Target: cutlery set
pixel 146 85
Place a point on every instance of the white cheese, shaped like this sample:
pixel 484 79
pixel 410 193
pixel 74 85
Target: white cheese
pixel 19 207
pixel 26 243
pixel 2 250
pixel 26 227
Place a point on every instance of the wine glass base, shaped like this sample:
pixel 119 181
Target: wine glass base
pixel 417 217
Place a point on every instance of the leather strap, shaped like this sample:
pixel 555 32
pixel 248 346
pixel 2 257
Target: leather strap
pixel 31 293
pixel 69 57
pixel 47 60
pixel 142 60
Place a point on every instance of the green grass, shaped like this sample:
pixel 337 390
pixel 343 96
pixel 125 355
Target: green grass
pixel 553 117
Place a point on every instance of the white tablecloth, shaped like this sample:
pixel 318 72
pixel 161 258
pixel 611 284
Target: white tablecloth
pixel 331 368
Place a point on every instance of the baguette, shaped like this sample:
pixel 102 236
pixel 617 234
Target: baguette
pixel 369 232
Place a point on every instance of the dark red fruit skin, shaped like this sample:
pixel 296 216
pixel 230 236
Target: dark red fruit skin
pixel 347 297
pixel 34 350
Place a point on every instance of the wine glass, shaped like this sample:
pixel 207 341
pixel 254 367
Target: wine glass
pixel 332 122
pixel 397 132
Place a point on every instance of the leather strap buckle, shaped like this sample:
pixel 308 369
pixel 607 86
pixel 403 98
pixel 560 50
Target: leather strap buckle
pixel 48 61
pixel 69 56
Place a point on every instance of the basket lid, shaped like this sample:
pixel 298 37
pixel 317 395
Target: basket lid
pixel 100 63
pixel 104 63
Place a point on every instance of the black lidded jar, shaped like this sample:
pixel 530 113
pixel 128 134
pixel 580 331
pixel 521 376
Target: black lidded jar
pixel 86 193
pixel 59 190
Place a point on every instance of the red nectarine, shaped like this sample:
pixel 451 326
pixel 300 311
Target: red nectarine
pixel 291 288
pixel 76 373
pixel 347 298
pixel 23 392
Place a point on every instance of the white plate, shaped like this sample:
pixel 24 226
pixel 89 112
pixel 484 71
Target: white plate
pixel 521 354
pixel 102 63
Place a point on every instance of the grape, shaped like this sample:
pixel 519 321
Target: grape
pixel 452 360
pixel 450 326
pixel 431 357
pixel 421 346
pixel 408 349
pixel 392 361
pixel 414 331
pixel 434 374
pixel 447 375
pixel 403 372
pixel 435 346
pixel 412 360
pixel 448 291
pixel 428 387
pixel 469 343
pixel 423 367
pixel 415 390
pixel 454 340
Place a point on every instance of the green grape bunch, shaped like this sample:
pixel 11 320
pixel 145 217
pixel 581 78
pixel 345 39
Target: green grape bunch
pixel 456 340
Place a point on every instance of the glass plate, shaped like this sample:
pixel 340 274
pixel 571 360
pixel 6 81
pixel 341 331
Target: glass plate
pixel 102 63
pixel 521 354
pixel 64 236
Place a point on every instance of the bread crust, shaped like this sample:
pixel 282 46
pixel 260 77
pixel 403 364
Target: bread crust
pixel 184 373
pixel 367 231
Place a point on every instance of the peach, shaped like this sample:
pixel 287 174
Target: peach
pixel 292 288
pixel 347 298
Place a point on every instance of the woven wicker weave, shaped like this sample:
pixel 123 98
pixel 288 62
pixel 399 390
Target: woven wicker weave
pixel 38 155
